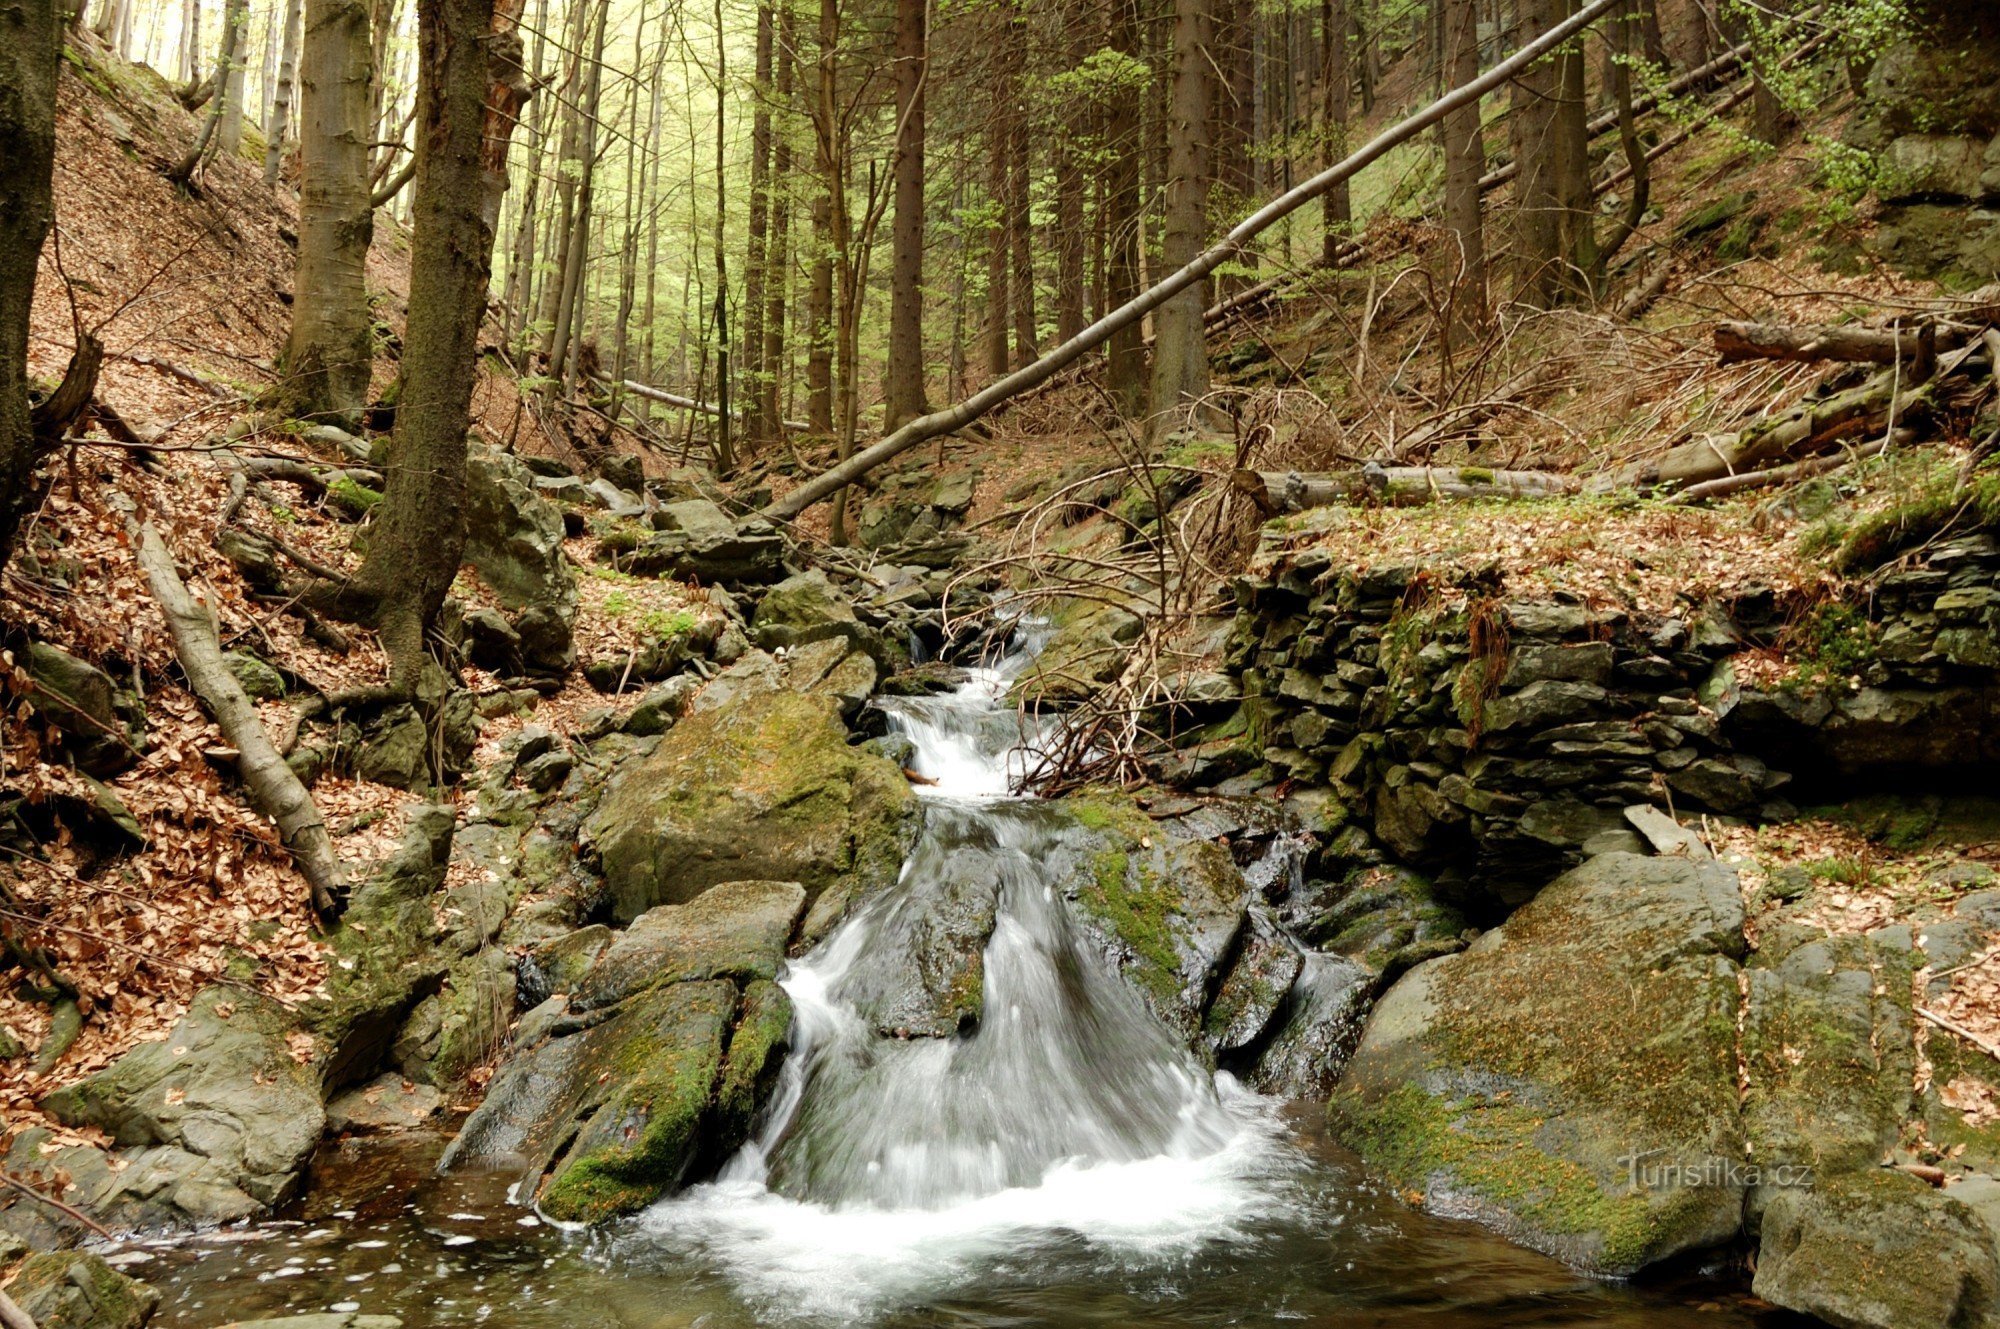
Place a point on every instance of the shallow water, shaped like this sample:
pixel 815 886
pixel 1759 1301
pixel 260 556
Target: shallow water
pixel 1067 1163
pixel 384 1236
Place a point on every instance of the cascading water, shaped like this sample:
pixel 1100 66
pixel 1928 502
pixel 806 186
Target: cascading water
pixel 890 1167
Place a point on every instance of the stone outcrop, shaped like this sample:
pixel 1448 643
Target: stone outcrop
pixel 513 539
pixel 764 787
pixel 647 1056
pixel 73 1290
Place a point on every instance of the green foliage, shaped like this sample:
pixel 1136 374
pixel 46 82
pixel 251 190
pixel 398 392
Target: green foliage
pixel 1942 507
pixel 667 625
pixel 351 494
pixel 1835 641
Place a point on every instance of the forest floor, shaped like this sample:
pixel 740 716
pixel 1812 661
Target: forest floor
pixel 190 295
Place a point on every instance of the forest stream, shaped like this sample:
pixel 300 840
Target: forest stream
pixel 1067 1162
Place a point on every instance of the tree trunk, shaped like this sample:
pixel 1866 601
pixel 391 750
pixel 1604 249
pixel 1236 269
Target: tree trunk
pixel 999 191
pixel 1070 234
pixel 778 263
pixel 819 317
pixel 724 448
pixel 235 18
pixel 1180 348
pixel 756 262
pixel 1336 206
pixel 325 365
pixel 1125 353
pixel 470 88
pixel 280 127
pixel 1464 163
pixel 1020 230
pixel 569 299
pixel 903 389
pixel 30 55
pixel 229 130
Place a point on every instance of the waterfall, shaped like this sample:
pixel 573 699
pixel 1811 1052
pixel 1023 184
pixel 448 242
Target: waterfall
pixel 891 1167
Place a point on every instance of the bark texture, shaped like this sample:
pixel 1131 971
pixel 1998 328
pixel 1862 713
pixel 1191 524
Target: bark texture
pixel 327 358
pixel 1180 350
pixel 30 55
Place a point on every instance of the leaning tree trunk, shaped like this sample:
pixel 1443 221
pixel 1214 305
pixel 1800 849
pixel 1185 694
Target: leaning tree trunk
pixel 327 358
pixel 418 538
pixel 1180 350
pixel 30 54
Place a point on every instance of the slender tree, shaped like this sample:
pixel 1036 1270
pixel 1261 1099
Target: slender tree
pixel 30 55
pixel 756 259
pixel 1125 352
pixel 1180 351
pixel 1336 205
pixel 280 127
pixel 467 48
pixel 1464 163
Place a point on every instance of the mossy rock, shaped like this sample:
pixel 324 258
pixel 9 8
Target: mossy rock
pixel 660 1064
pixel 765 789
pixel 1167 908
pixel 756 1051
pixel 1522 1082
pixel 72 1290
pixel 1879 1249
pixel 1091 644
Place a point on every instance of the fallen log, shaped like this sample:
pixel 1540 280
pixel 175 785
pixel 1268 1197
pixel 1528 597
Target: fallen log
pixel 1784 475
pixel 1886 400
pixel 1278 492
pixel 1737 342
pixel 955 417
pixel 274 790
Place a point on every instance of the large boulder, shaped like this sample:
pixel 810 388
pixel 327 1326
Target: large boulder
pixel 104 725
pixel 766 788
pixel 1570 1079
pixel 513 539
pixel 73 1290
pixel 215 1123
pixel 696 540
pixel 806 608
pixel 649 1062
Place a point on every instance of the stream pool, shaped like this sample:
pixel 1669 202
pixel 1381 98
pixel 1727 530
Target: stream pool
pixel 382 1234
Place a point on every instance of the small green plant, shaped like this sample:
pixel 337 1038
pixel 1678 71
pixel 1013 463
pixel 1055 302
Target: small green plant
pixel 617 604
pixel 283 514
pixel 665 625
pixel 353 496
pixel 1845 870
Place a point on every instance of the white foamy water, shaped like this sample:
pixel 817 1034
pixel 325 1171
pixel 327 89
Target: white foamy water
pixel 889 1170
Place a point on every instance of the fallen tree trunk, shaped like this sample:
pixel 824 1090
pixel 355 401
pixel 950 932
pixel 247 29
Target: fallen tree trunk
pixel 1279 492
pixel 927 427
pixel 1737 342
pixel 665 398
pixel 274 790
pixel 1886 400
pixel 1784 475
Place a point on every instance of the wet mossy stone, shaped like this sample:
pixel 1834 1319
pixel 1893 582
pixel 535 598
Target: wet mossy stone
pixel 257 679
pixel 756 1051
pixel 104 723
pixel 1089 647
pixel 927 976
pixel 73 1290
pixel 1528 1081
pixel 764 789
pixel 1167 909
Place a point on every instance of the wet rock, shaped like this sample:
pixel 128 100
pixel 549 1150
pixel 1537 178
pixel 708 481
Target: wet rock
pixel 661 706
pixel 765 788
pixel 1087 650
pixel 104 725
pixel 1315 1028
pixel 227 1115
pixel 330 1320
pixel 805 608
pixel 928 979
pixel 73 1290
pixel 1254 989
pixel 613 1114
pixel 388 1103
pixel 1516 1083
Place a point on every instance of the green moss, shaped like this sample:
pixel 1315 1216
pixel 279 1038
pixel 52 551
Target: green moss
pixel 755 1051
pixel 1487 1145
pixel 1475 475
pixel 352 496
pixel 1941 506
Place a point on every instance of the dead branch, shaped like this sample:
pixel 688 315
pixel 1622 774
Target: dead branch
pixel 53 418
pixel 273 788
pixel 1277 492
pixel 186 375
pixel 53 1203
pixel 12 1316
pixel 665 398
pixel 1129 314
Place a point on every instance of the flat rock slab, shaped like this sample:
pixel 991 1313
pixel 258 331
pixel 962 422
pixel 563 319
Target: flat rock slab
pixel 388 1103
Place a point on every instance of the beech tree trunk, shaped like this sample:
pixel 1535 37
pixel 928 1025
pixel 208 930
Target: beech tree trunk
pixel 756 260
pixel 30 56
pixel 327 359
pixel 1180 348
pixel 779 260
pixel 280 127
pixel 903 387
pixel 468 49
pixel 233 75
